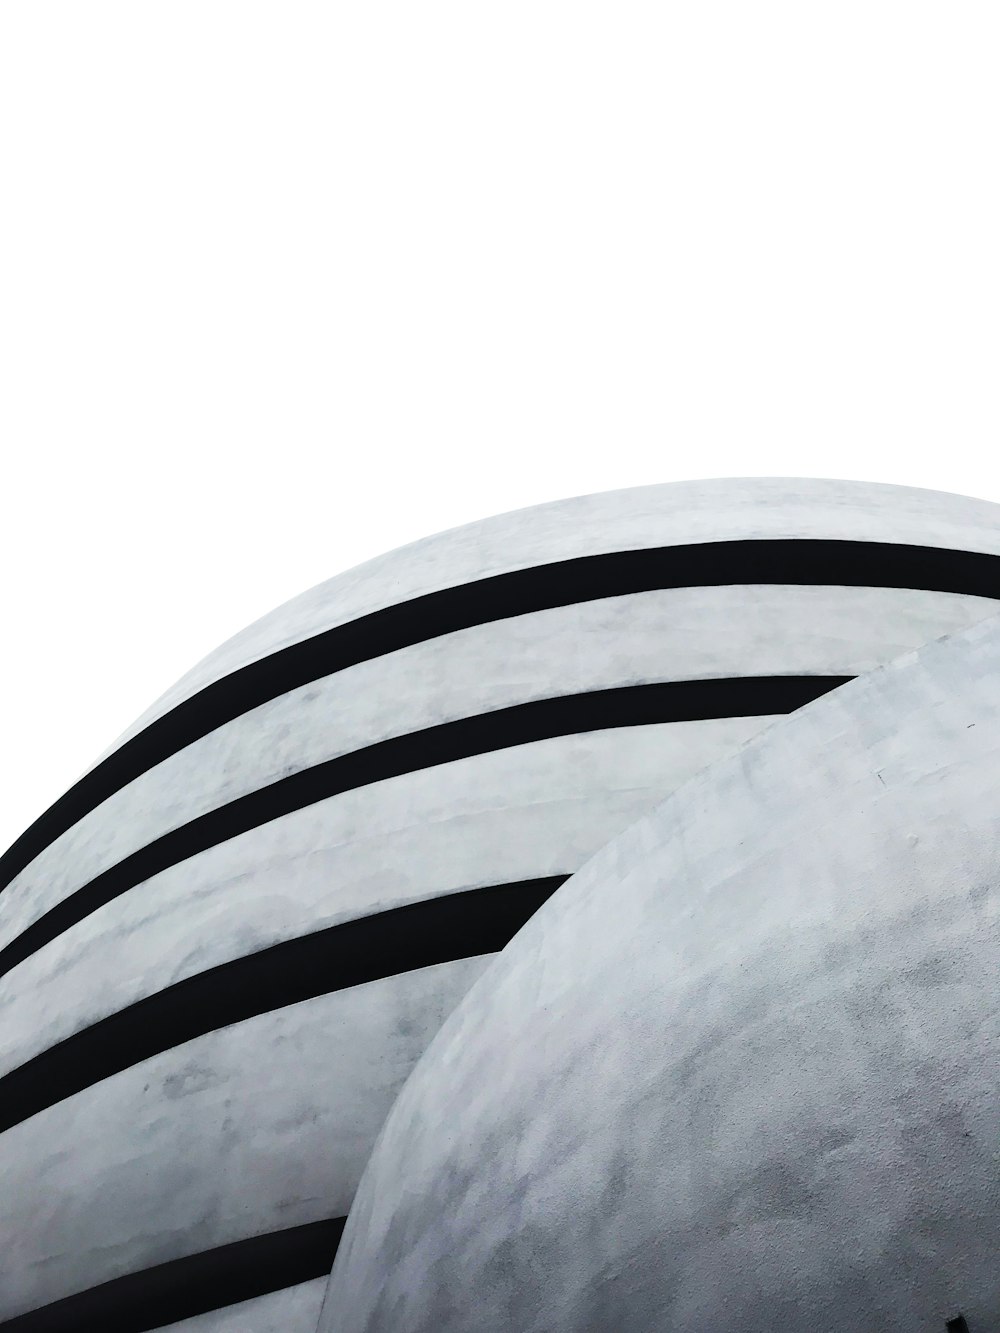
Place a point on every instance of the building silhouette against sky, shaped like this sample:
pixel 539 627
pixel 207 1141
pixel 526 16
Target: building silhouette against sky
pixel 595 858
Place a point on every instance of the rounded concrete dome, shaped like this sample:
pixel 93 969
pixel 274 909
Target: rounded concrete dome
pixel 225 948
pixel 740 1072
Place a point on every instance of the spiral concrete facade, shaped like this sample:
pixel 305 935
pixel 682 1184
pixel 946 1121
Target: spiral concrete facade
pixel 741 1071
pixel 225 950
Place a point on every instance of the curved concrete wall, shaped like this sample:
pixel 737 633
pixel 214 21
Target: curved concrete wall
pixel 667 635
pixel 231 960
pixel 278 1312
pixel 633 519
pixel 739 1072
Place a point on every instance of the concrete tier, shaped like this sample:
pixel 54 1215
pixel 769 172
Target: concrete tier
pixel 740 1071
pixel 228 950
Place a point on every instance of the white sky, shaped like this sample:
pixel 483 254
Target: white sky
pixel 284 285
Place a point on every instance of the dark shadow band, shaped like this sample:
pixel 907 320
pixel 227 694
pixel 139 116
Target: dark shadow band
pixel 439 930
pixel 541 719
pixel 193 1285
pixel 796 561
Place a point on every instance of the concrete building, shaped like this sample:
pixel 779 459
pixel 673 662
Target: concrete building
pixel 741 1072
pixel 226 948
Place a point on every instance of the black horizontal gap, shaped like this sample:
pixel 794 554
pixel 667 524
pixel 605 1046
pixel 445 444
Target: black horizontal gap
pixel 587 578
pixel 456 925
pixel 565 715
pixel 193 1285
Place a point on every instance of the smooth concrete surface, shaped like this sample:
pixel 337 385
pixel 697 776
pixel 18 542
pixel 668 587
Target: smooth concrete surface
pixel 673 634
pixel 293 1310
pixel 671 514
pixel 253 1128
pixel 740 1072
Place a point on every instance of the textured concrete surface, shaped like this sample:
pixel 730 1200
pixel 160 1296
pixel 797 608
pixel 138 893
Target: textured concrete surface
pixel 727 509
pixel 516 814
pixel 738 1073
pixel 674 634
pixel 232 1152
pixel 294 1310
pixel 257 1127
